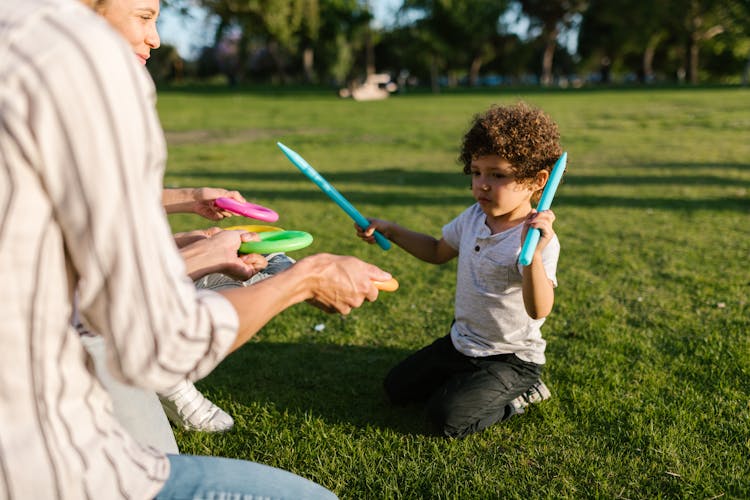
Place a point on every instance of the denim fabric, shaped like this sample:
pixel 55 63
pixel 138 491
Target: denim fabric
pixel 213 478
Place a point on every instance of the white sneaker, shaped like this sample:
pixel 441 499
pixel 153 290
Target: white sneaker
pixel 537 393
pixel 187 408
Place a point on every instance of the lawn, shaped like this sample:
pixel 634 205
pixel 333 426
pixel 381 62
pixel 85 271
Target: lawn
pixel 648 357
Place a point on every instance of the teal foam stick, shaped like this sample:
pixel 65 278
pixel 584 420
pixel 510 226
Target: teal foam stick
pixel 332 193
pixel 532 237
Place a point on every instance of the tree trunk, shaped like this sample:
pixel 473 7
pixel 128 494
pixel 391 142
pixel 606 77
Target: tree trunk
pixel 692 66
pixel 648 64
pixel 476 65
pixel 369 54
pixel 434 75
pixel 273 50
pixel 547 58
pixel 308 60
pixel 648 59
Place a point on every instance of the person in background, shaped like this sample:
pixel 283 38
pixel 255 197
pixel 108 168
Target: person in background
pixel 82 158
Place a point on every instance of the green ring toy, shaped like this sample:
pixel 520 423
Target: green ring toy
pixel 277 241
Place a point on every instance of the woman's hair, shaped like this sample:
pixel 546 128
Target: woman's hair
pixel 97 5
pixel 525 137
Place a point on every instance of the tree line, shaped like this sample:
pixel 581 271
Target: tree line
pixel 472 42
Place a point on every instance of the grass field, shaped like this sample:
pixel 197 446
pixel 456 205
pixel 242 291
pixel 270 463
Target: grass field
pixel 648 355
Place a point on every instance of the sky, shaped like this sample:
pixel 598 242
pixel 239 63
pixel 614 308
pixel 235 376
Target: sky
pixel 189 34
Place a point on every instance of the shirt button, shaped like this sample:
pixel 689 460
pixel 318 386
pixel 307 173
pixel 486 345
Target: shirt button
pixel 476 248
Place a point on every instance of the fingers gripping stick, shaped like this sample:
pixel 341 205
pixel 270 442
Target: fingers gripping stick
pixel 533 235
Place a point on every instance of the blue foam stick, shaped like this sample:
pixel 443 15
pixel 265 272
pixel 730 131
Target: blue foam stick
pixel 532 237
pixel 332 193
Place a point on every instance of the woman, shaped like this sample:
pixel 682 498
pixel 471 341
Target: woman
pixel 185 406
pixel 80 178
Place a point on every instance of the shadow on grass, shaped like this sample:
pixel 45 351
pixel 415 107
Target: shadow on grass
pixel 391 176
pixel 416 189
pixel 398 176
pixel 340 384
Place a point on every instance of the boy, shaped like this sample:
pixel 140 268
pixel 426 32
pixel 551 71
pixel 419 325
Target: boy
pixel 488 367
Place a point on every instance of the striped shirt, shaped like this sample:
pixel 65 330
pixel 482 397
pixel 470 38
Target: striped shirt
pixel 81 164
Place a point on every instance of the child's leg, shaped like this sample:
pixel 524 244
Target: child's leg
pixel 418 376
pixel 472 401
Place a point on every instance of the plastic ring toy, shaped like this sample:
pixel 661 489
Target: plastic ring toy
pixel 250 210
pixel 277 241
pixel 252 228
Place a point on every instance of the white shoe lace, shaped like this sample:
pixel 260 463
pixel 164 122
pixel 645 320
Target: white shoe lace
pixel 537 393
pixel 187 408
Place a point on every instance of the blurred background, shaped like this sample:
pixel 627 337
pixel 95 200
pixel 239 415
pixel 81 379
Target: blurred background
pixel 440 44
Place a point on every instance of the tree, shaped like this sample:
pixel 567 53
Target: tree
pixel 344 28
pixel 285 26
pixel 458 32
pixel 704 20
pixel 607 33
pixel 550 16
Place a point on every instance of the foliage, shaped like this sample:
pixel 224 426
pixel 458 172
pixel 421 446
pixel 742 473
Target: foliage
pixel 447 41
pixel 460 33
pixel 648 352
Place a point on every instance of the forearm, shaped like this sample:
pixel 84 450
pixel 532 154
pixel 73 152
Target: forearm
pixel 256 305
pixel 421 246
pixel 538 292
pixel 178 200
pixel 335 283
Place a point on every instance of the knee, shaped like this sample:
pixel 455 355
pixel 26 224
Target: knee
pixel 443 420
pixel 457 421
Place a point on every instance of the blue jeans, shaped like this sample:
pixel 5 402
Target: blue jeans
pixel 215 478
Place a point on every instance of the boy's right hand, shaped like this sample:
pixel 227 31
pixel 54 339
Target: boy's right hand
pixel 368 234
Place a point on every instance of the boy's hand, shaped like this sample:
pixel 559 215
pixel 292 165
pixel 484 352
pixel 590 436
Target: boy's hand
pixel 368 234
pixel 543 221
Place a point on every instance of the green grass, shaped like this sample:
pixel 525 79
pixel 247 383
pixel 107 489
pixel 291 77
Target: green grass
pixel 648 352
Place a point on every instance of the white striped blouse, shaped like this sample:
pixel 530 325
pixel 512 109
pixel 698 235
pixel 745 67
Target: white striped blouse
pixel 81 164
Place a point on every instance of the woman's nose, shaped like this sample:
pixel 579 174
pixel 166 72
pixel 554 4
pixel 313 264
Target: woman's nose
pixel 152 39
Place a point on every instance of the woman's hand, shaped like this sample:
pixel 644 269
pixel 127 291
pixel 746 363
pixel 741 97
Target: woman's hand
pixel 199 201
pixel 218 254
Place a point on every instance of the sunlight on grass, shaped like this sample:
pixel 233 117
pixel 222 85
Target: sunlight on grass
pixel 648 352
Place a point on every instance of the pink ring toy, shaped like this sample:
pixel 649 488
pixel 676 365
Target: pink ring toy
pixel 250 210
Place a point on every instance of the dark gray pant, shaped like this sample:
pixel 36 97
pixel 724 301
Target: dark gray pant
pixel 463 394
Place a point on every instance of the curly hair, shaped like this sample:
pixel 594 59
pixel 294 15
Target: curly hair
pixel 524 136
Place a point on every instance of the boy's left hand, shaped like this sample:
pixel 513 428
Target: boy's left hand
pixel 543 221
